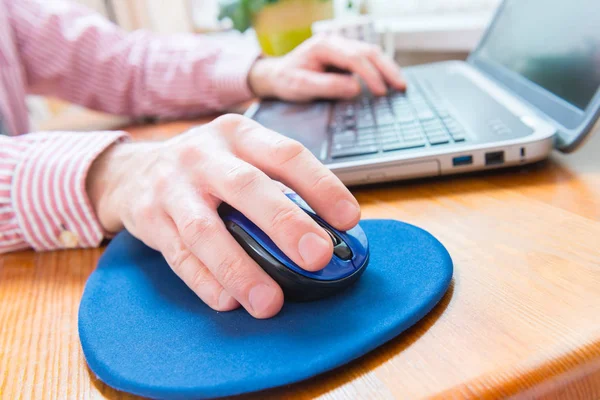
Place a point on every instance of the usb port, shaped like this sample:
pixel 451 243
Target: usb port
pixel 462 160
pixel 494 158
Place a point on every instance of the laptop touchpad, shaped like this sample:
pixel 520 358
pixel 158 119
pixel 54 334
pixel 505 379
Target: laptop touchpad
pixel 307 123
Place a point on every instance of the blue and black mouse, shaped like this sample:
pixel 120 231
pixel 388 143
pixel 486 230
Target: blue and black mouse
pixel 350 256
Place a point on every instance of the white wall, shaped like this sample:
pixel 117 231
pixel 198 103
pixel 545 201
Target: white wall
pixel 159 15
pixel 170 16
pixel 97 5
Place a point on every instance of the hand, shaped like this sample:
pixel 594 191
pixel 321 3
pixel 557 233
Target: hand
pixel 300 75
pixel 167 194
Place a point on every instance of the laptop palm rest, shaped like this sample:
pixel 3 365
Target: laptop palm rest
pixel 305 123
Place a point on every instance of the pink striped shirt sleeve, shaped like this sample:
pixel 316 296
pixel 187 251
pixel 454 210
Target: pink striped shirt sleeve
pixel 61 49
pixel 42 189
pixel 73 53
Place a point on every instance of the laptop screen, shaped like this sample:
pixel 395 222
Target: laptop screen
pixel 555 44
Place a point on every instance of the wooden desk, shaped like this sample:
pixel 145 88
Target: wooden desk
pixel 521 318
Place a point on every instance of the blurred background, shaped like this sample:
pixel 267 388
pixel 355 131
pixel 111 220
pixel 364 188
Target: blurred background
pixel 413 31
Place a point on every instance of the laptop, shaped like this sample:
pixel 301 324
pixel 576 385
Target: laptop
pixel 531 86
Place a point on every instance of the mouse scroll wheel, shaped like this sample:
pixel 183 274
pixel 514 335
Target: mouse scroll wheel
pixel 333 237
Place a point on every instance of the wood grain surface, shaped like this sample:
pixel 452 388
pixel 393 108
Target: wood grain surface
pixel 521 319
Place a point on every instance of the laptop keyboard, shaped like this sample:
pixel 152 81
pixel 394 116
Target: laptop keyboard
pixel 398 121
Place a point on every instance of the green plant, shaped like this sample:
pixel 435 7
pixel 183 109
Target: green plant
pixel 241 11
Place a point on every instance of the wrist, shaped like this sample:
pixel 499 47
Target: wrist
pixel 104 182
pixel 260 77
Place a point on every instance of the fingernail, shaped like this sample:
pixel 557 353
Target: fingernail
pixel 261 297
pixel 226 302
pixel 346 212
pixel 313 248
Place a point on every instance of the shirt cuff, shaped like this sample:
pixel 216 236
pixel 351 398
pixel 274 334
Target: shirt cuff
pixel 231 76
pixel 49 194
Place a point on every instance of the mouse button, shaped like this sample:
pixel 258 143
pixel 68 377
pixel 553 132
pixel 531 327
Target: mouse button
pixel 256 244
pixel 357 237
pixel 258 253
pixel 225 210
pixel 336 269
pixel 335 239
pixel 341 250
pixel 356 240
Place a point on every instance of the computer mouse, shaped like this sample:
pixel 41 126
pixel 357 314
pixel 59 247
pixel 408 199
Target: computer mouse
pixel 348 262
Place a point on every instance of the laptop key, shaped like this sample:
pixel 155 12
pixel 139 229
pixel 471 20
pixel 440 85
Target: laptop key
pixel 412 137
pixel 366 142
pixel 350 124
pixel 343 143
pixel 384 117
pixel 436 131
pixel 457 134
pixel 438 140
pixel 433 123
pixel 442 112
pixel 370 136
pixel 365 123
pixel 385 121
pixel 380 102
pixel 437 134
pixel 360 142
pixel 388 140
pixel 405 118
pixel 458 137
pixel 346 133
pixel 340 147
pixel 403 145
pixel 409 132
pixel 387 135
pixel 411 124
pixel 403 105
pixel 366 130
pixel 455 129
pixel 387 128
pixel 367 134
pixel 354 151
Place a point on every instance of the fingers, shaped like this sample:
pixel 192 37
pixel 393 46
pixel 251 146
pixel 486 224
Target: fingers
pixel 191 270
pixel 366 60
pixel 333 52
pixel 282 158
pixel 205 235
pixel 387 67
pixel 255 195
pixel 309 85
pixel 195 274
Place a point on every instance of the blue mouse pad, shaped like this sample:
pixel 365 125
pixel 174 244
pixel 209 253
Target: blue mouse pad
pixel 144 332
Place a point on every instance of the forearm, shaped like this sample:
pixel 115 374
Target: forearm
pixel 43 198
pixel 70 52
